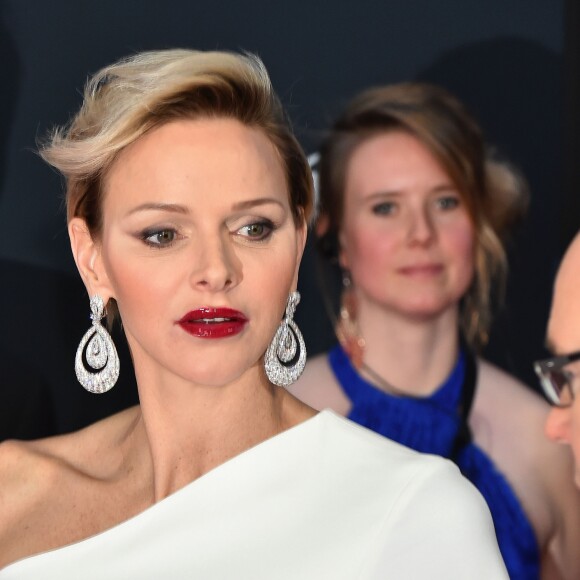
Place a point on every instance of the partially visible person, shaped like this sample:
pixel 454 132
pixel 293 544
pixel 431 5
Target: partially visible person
pixel 187 198
pixel 560 375
pixel 414 206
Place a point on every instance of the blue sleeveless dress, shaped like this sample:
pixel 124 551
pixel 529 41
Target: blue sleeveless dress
pixel 431 425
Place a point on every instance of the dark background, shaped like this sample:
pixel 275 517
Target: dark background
pixel 514 62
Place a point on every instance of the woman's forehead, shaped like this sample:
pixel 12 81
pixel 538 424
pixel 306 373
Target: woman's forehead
pixel 210 156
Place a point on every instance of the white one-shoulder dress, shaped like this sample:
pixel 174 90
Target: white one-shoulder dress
pixel 326 499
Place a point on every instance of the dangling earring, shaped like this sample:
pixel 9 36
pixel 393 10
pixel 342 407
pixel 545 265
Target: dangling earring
pixel 346 327
pixel 99 352
pixel 286 356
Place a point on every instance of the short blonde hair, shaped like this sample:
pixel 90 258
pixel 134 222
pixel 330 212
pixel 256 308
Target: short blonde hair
pixel 129 98
pixel 495 193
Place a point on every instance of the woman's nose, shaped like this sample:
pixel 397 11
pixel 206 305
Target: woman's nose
pixel 420 227
pixel 557 426
pixel 216 266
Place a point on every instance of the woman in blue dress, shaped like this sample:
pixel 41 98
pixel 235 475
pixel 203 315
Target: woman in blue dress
pixel 413 207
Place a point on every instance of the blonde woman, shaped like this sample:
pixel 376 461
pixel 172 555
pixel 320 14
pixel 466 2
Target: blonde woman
pixel 187 200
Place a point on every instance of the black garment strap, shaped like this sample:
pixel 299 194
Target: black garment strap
pixel 463 436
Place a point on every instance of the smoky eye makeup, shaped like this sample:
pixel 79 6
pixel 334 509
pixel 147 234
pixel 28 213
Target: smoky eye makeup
pixel 159 236
pixel 257 229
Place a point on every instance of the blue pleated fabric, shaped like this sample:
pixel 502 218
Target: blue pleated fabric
pixel 431 425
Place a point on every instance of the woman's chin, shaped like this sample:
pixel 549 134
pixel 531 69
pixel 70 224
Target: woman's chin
pixel 426 310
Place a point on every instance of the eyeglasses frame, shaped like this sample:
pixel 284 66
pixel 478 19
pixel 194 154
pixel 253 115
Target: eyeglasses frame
pixel 555 363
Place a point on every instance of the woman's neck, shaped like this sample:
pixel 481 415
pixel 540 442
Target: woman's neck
pixel 191 429
pixel 413 355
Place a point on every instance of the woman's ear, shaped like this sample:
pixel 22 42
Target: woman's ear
pixel 87 256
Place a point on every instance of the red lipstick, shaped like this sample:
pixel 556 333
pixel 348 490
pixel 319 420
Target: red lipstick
pixel 210 322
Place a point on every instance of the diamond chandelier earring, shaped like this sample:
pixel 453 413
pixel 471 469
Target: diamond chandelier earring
pixel 98 351
pixel 286 356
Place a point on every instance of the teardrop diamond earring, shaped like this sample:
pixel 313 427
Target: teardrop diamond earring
pixel 286 356
pixel 98 351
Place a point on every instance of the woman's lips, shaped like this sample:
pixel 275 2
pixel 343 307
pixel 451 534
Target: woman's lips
pixel 210 322
pixel 422 270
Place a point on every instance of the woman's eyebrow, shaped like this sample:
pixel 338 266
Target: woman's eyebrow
pixel 170 207
pixel 394 192
pixel 182 209
pixel 247 204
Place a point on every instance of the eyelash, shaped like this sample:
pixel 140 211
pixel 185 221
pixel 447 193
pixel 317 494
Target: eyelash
pixel 441 202
pixel 379 208
pixel 146 234
pixel 266 224
pixel 387 208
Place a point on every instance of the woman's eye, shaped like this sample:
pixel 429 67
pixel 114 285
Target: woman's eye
pixel 159 238
pixel 257 231
pixel 448 202
pixel 384 208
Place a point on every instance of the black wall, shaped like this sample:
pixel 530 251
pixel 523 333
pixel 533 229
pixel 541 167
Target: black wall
pixel 505 58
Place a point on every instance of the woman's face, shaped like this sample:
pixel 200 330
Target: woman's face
pixel 406 235
pixel 199 248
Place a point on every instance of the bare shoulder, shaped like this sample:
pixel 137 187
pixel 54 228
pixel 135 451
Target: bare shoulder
pixel 508 387
pixel 508 420
pixel 27 470
pixel 29 475
pixel 318 387
pixel 508 423
pixel 499 394
pixel 79 450
pixel 20 467
pixel 40 481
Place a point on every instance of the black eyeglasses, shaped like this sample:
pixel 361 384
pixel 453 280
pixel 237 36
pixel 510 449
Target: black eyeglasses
pixel 556 381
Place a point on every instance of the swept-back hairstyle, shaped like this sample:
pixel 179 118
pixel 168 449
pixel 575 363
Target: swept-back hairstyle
pixel 124 101
pixel 495 194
